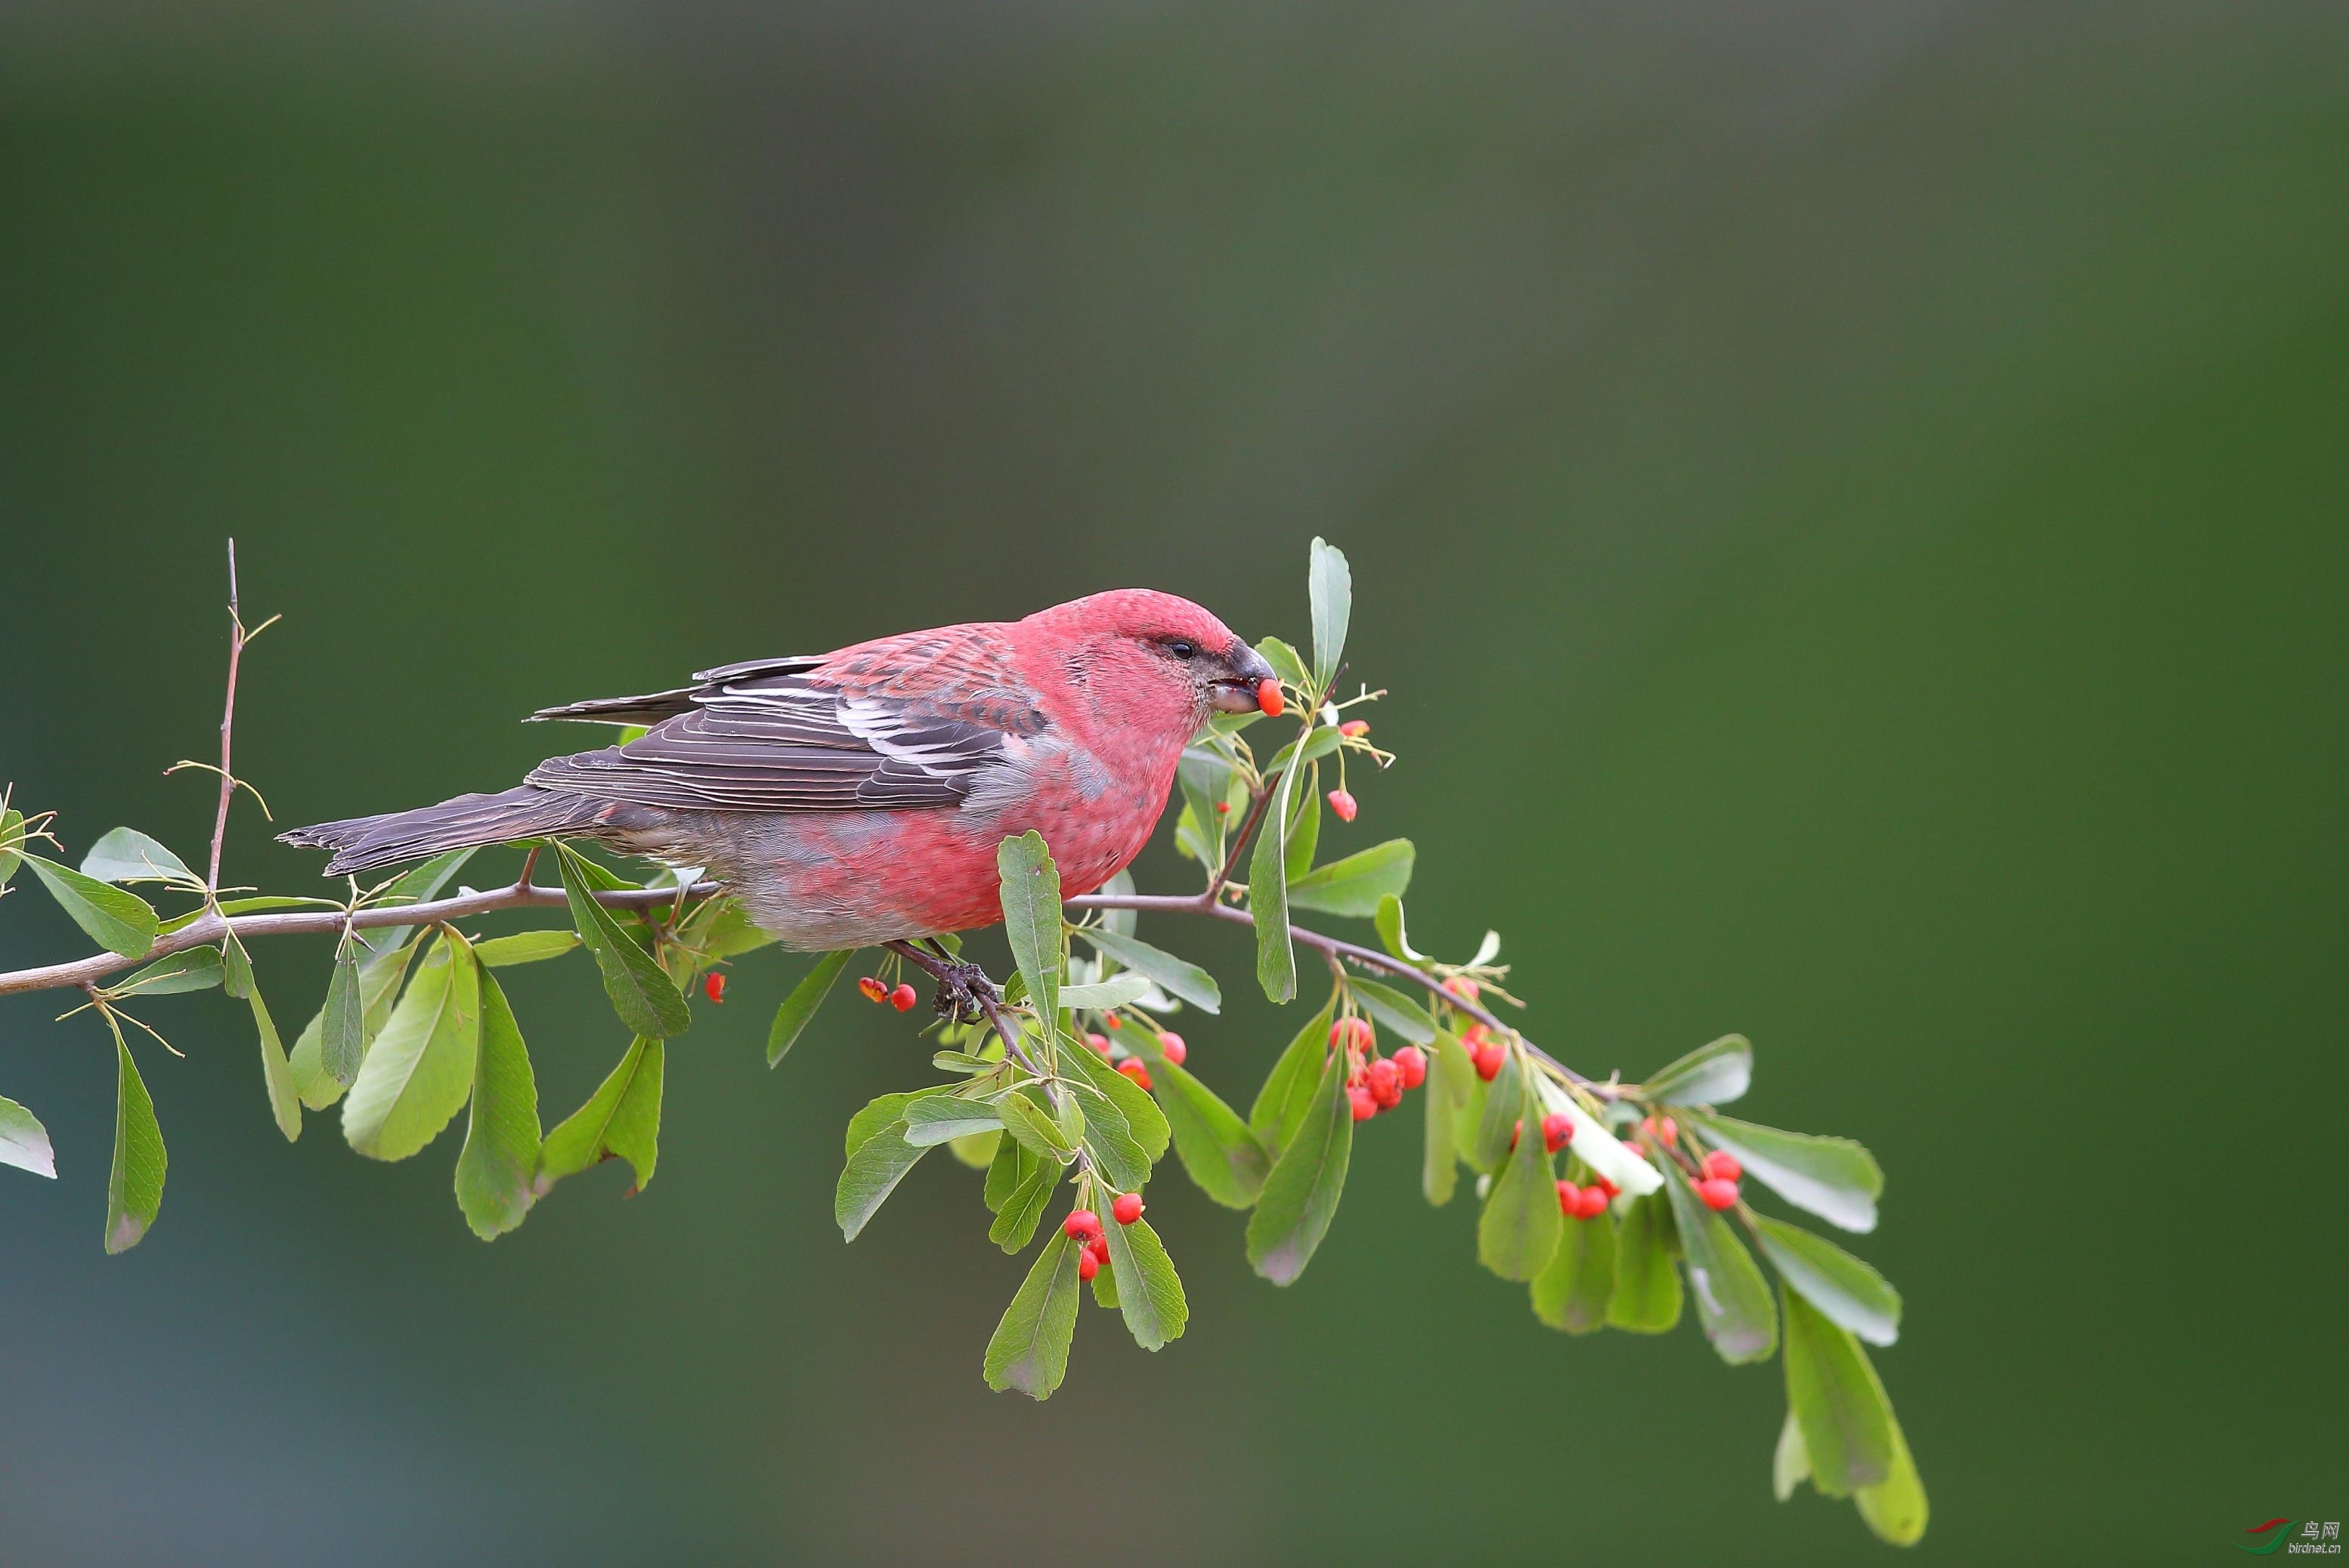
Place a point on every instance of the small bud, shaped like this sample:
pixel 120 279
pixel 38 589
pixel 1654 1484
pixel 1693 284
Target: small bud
pixel 1081 1224
pixel 1132 1068
pixel 1171 1046
pixel 1412 1063
pixel 1722 1164
pixel 1268 697
pixel 1342 804
pixel 1717 1194
pixel 1088 1266
pixel 1354 726
pixel 1557 1131
pixel 873 990
pixel 903 998
pixel 1364 1106
pixel 1127 1209
pixel 713 985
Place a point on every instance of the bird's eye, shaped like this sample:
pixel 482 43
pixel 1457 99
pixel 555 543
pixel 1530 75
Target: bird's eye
pixel 1181 649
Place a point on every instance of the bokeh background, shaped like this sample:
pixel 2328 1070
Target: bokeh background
pixel 1850 500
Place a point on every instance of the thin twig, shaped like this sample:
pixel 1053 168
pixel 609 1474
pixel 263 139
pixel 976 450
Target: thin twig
pixel 207 928
pixel 228 729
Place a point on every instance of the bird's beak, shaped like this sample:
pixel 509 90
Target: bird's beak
pixel 1236 693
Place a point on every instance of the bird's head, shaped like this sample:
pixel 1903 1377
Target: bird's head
pixel 1164 650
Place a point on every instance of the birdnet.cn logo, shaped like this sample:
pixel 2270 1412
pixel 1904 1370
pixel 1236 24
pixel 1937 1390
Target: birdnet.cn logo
pixel 2294 1535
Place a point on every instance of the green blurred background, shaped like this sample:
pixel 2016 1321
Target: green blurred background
pixel 1850 500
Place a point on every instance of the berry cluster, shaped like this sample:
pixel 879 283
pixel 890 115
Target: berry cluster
pixel 876 990
pixel 1717 1174
pixel 1585 1202
pixel 1084 1225
pixel 1170 1046
pixel 1375 1083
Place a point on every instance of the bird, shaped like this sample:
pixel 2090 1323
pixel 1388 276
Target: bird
pixel 857 798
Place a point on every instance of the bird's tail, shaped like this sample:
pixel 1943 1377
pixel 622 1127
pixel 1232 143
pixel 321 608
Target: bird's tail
pixel 469 821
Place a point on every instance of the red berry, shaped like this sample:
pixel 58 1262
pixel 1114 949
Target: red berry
pixel 1223 808
pixel 1171 1045
pixel 1716 1193
pixel 1474 1035
pixel 1088 1266
pixel 1081 1223
pixel 1364 1106
pixel 1354 726
pixel 1412 1063
pixel 1594 1202
pixel 1489 1058
pixel 1384 1080
pixel 1612 1190
pixel 1342 804
pixel 1569 1199
pixel 1268 699
pixel 1665 1132
pixel 1100 1043
pixel 1127 1209
pixel 1113 1022
pixel 1515 1128
pixel 1098 1249
pixel 1557 1131
pixel 1365 1037
pixel 713 985
pixel 1460 986
pixel 873 990
pixel 903 998
pixel 1133 1069
pixel 1722 1163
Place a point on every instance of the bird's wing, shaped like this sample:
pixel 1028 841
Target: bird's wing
pixel 910 721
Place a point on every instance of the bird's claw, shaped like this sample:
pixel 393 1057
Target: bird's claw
pixel 961 990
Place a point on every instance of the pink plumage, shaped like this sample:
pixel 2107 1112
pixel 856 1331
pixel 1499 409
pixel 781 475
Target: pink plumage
pixel 859 796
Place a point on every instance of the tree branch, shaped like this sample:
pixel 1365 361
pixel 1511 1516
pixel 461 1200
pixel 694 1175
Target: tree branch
pixel 207 928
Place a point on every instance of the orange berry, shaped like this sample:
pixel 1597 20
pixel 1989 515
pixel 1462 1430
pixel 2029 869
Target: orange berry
pixel 713 985
pixel 1354 726
pixel 873 990
pixel 1268 699
pixel 1133 1069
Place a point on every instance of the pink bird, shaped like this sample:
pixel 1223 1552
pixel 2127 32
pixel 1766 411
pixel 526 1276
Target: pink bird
pixel 858 796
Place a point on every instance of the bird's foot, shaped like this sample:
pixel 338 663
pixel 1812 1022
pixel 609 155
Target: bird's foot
pixel 962 987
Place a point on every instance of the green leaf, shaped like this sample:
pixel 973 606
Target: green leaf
pixel 134 1189
pixel 379 974
pixel 721 928
pixel 1289 1088
pixel 276 1076
pixel 1276 962
pixel 1029 1350
pixel 342 1022
pixel 524 947
pixel 1834 1177
pixel 1848 1292
pixel 1032 1127
pixel 1517 1233
pixel 1304 835
pixel 1354 885
pixel 191 969
pixel 25 1142
pixel 496 1167
pixel 1504 1102
pixel 1574 1291
pixel 872 1173
pixel 1287 664
pixel 977 1149
pixel 1109 1138
pixel 12 843
pixel 879 1112
pixel 1647 1295
pixel 643 995
pixel 1394 1012
pixel 1207 783
pixel 1177 977
pixel 419 1072
pixel 1388 917
pixel 1301 1196
pixel 1732 1299
pixel 1833 1392
pixel 620 1120
pixel 236 967
pixel 1031 917
pixel 118 921
pixel 1106 996
pixel 1329 589
pixel 934 1120
pixel 1005 1172
pixel 800 1007
pixel 1791 1465
pixel 1147 1123
pixel 1449 1074
pixel 418 885
pixel 1895 1508
pixel 1710 1074
pixel 127 855
pixel 1223 1157
pixel 1024 1204
pixel 1150 1293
